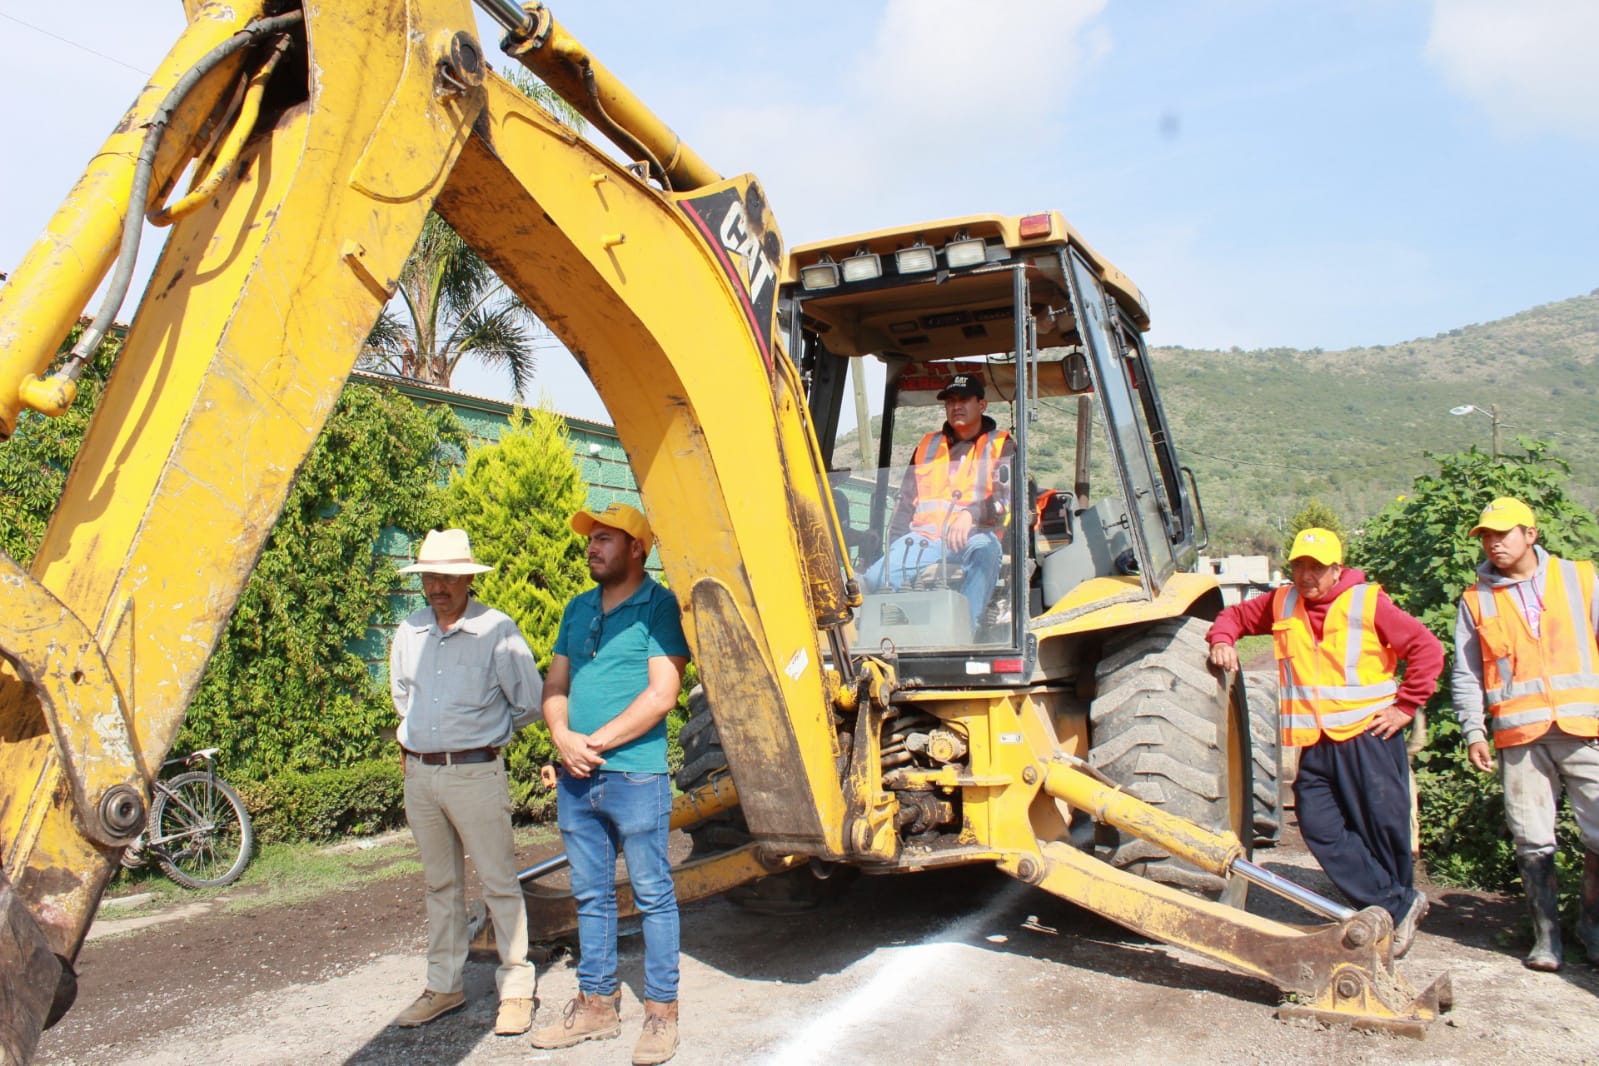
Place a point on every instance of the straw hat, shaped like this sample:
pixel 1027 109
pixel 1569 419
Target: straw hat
pixel 445 551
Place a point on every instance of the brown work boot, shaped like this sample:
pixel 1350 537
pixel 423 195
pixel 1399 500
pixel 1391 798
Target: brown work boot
pixel 515 1017
pixel 428 1006
pixel 658 1041
pixel 1405 931
pixel 586 1017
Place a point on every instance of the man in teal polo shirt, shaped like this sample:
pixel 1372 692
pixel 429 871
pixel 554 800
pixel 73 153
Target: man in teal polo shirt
pixel 616 673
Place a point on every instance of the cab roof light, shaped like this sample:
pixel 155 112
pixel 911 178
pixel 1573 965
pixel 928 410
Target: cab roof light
pixel 863 266
pixel 1031 227
pixel 965 251
pixel 919 258
pixel 822 274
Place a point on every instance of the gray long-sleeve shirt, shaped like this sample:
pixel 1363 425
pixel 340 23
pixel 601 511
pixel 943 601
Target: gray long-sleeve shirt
pixel 1466 677
pixel 471 687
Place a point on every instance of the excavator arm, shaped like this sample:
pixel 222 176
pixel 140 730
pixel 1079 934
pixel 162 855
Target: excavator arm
pixel 319 176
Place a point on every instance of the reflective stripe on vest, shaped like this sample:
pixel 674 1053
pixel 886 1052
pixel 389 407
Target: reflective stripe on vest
pixel 1529 683
pixel 943 487
pixel 1336 685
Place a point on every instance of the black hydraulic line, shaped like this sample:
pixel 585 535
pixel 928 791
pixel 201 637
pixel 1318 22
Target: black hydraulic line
pixel 143 175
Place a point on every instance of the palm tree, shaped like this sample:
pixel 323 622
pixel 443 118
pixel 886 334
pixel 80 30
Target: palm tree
pixel 453 303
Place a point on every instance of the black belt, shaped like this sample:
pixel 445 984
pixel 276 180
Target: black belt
pixel 454 758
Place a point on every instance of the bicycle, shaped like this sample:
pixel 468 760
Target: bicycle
pixel 198 832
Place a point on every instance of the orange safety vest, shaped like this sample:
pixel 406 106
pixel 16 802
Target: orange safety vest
pixel 943 487
pixel 1530 683
pixel 1337 685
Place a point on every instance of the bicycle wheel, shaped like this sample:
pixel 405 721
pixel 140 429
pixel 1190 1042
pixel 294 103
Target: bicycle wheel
pixel 202 832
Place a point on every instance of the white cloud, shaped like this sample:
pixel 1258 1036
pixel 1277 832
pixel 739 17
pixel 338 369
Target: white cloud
pixel 938 63
pixel 1529 64
pixel 918 120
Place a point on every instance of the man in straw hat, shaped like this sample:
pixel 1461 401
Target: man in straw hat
pixel 1339 641
pixel 1527 666
pixel 463 681
pixel 617 670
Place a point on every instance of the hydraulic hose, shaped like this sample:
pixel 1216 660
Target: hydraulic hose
pixel 144 172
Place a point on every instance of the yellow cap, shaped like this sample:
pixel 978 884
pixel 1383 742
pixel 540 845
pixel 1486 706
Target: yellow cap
pixel 1321 545
pixel 1503 515
pixel 617 516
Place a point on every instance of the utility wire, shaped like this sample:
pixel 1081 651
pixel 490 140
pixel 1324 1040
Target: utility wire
pixel 74 44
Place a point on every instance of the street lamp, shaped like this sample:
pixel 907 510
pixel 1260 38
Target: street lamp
pixel 1492 413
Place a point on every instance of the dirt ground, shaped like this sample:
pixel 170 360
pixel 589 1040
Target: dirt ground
pixel 960 967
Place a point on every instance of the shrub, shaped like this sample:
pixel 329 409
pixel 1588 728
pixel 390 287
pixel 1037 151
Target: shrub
pixel 358 800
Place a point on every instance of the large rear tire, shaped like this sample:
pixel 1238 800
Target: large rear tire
pixel 703 757
pixel 797 890
pixel 1176 735
pixel 1265 738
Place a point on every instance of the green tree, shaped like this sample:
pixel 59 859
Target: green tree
pixel 452 305
pixel 515 499
pixel 283 690
pixel 1314 515
pixel 1420 549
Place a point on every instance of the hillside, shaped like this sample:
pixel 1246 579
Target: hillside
pixel 1266 430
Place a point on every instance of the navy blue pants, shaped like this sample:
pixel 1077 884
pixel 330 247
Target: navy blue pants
pixel 1353 799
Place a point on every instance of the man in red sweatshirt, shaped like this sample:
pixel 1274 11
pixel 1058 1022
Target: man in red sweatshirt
pixel 1338 641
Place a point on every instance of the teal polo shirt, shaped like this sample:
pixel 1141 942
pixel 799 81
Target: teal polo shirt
pixel 609 652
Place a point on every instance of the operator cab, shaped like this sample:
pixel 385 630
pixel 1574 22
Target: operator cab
pixel 880 324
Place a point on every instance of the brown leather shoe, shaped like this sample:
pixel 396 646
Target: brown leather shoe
pixel 585 1017
pixel 515 1017
pixel 428 1006
pixel 658 1041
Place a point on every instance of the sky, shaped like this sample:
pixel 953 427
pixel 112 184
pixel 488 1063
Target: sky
pixel 1269 172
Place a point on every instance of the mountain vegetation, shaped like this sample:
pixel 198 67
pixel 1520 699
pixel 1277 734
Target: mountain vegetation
pixel 1267 430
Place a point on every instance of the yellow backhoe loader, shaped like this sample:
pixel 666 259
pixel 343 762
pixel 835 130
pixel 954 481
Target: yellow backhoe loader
pixel 1066 733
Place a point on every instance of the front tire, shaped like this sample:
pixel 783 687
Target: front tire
pixel 1176 735
pixel 204 830
pixel 1265 738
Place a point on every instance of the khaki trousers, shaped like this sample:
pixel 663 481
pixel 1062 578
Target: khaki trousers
pixel 1533 775
pixel 455 811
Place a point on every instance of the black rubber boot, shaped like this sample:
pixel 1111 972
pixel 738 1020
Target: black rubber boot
pixel 1588 915
pixel 1543 903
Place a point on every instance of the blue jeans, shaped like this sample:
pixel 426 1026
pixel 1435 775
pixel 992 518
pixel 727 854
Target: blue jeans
pixel 599 815
pixel 913 552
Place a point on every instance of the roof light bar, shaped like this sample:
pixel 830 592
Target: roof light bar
pixel 965 251
pixel 863 266
pixel 919 258
pixel 822 274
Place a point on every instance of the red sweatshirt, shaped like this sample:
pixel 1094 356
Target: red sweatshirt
pixel 1415 645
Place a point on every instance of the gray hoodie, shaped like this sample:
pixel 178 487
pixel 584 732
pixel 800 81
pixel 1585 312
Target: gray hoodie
pixel 1466 678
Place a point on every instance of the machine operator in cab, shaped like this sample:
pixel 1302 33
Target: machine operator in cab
pixel 954 501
